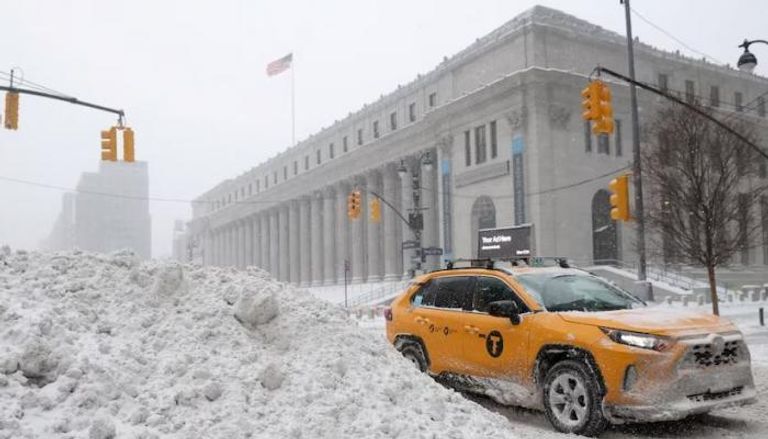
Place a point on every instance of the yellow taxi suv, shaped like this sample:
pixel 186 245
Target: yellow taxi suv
pixel 561 340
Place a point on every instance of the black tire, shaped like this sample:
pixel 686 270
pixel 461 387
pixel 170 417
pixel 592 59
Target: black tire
pixel 573 400
pixel 415 354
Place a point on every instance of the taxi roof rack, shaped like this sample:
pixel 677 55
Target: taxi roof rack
pixel 489 263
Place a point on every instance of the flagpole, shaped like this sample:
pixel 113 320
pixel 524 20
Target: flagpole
pixel 293 105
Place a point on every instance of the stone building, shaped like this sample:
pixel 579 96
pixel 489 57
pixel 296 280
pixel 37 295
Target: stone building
pixel 492 137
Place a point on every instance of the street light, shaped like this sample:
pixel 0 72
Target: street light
pixel 747 60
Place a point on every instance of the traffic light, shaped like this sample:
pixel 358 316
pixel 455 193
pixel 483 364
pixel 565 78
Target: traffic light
pixel 128 151
pixel 619 188
pixel 604 124
pixel 375 206
pixel 354 207
pixel 109 144
pixel 12 110
pixel 591 101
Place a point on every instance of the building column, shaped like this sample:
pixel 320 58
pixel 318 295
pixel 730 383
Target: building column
pixel 284 238
pixel 317 239
pixel 294 241
pixel 240 244
pixel 220 247
pixel 406 185
pixel 444 165
pixel 274 262
pixel 256 225
pixel 373 183
pixel 212 254
pixel 391 223
pixel 305 243
pixel 265 238
pixel 428 198
pixel 357 242
pixel 229 243
pixel 342 231
pixel 248 242
pixel 329 233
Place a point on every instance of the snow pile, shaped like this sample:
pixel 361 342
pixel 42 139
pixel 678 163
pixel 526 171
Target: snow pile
pixel 104 346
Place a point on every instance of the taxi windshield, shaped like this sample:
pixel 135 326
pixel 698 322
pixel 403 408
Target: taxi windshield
pixel 576 292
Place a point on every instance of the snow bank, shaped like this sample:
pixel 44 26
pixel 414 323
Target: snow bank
pixel 96 346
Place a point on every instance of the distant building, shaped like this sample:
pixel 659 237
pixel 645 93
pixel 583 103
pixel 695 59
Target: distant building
pixel 109 211
pixel 491 137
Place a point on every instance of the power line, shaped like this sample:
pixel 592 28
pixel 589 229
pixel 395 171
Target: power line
pixel 668 34
pixel 34 85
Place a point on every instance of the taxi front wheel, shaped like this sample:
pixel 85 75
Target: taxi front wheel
pixel 571 399
pixel 413 353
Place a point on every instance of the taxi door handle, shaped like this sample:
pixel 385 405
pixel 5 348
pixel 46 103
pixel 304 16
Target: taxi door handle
pixel 422 320
pixel 471 329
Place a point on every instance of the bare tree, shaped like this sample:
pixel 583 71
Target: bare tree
pixel 702 187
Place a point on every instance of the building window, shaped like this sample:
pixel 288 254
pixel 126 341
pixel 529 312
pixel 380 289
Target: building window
pixel 467 149
pixel 274 177
pixel 331 151
pixel 603 144
pixel 663 82
pixel 480 150
pixel 318 155
pixel 285 172
pixel 494 142
pixel 306 163
pixel 266 181
pixel 229 200
pixel 235 195
pixel 714 96
pixel 295 167
pixel 250 189
pixel 360 136
pixel 412 112
pixel 587 137
pixel 258 186
pixel 690 96
pixel 344 144
pixel 617 141
pixel 375 129
pixel 242 191
pixel 432 99
pixel 393 121
pixel 737 98
pixel 761 108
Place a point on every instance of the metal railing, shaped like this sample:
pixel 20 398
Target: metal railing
pixel 379 293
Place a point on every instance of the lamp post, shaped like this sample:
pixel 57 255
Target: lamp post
pixel 747 60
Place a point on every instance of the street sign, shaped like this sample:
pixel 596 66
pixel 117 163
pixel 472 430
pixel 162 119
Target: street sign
pixel 432 251
pixel 508 242
pixel 408 245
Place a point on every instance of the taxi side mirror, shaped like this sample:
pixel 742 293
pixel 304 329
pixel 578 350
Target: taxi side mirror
pixel 505 308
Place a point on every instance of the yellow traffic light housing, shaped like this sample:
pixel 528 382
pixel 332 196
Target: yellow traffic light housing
pixel 128 150
pixel 11 110
pixel 354 207
pixel 619 188
pixel 604 124
pixel 591 101
pixel 375 206
pixel 109 144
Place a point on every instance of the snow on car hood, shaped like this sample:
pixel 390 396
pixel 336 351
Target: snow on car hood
pixel 654 320
pixel 106 346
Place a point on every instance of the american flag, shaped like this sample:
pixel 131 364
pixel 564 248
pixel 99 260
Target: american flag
pixel 280 65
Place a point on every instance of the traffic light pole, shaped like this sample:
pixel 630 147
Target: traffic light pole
pixel 71 100
pixel 637 168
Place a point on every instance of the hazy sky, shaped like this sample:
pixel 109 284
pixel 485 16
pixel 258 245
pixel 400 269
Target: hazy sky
pixel 190 76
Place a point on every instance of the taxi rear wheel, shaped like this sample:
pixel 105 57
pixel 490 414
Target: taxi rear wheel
pixel 572 401
pixel 413 353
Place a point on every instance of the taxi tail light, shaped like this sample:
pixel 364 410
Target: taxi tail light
pixel 388 314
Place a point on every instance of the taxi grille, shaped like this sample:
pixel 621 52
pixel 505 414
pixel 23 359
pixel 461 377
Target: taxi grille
pixel 704 355
pixel 710 396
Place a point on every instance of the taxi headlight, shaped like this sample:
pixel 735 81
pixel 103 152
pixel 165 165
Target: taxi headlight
pixel 638 339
